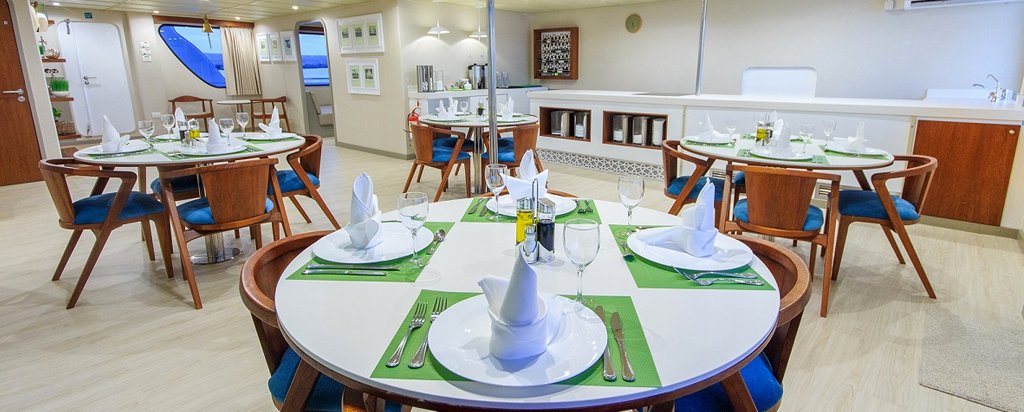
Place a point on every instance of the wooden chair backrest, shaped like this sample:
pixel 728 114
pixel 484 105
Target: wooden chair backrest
pixel 267 108
pixel 56 171
pixel 423 141
pixel 308 156
pixel 778 198
pixel 205 112
pixel 258 283
pixel 917 178
pixel 237 191
pixel 794 282
pixel 523 138
pixel 670 157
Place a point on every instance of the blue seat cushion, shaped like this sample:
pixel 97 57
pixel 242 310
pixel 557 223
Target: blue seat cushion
pixel 814 220
pixel 865 203
pixel 507 156
pixel 739 178
pixel 326 394
pixel 444 154
pixel 94 209
pixel 678 183
pixel 289 181
pixel 197 212
pixel 178 184
pixel 764 389
pixel 450 142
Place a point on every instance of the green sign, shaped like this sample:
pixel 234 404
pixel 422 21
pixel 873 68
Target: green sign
pixel 88 14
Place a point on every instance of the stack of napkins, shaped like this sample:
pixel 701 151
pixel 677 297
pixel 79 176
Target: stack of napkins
pixel 273 128
pixel 696 234
pixel 214 142
pixel 522 186
pixel 709 134
pixel 364 226
pixel 112 141
pixel 523 323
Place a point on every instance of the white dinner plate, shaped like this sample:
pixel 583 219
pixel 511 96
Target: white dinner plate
pixel 201 150
pixel 337 247
pixel 133 146
pixel 714 140
pixel 729 254
pixel 170 137
pixel 508 206
pixel 769 153
pixel 460 338
pixel 842 148
pixel 263 137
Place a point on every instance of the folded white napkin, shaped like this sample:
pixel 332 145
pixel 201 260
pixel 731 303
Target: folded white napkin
pixel 444 114
pixel 453 106
pixel 709 134
pixel 858 143
pixel 364 226
pixel 273 128
pixel 696 233
pixel 522 186
pixel 214 142
pixel 780 140
pixel 179 119
pixel 507 109
pixel 112 141
pixel 522 322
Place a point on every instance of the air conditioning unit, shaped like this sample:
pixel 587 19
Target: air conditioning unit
pixel 926 4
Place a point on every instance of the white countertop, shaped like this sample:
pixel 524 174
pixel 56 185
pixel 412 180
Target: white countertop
pixel 951 108
pixel 468 93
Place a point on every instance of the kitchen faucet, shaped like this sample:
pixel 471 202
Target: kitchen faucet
pixel 999 94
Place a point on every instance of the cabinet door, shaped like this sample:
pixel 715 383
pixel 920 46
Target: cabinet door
pixel 974 168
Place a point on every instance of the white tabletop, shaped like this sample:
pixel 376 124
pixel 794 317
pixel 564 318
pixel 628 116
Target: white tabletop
pixel 151 158
pixel 234 102
pixel 478 121
pixel 693 334
pixel 835 161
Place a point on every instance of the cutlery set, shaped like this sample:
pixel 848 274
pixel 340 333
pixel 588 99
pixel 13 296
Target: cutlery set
pixel 478 203
pixel 745 278
pixel 584 206
pixel 419 318
pixel 609 369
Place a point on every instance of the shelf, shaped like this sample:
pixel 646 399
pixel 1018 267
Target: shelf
pixel 628 132
pixel 62 99
pixel 548 127
pixel 635 146
pixel 49 60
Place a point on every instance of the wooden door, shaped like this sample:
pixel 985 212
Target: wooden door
pixel 973 174
pixel 19 145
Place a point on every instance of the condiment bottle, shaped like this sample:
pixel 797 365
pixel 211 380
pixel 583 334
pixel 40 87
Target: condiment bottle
pixel 546 230
pixel 524 218
pixel 528 247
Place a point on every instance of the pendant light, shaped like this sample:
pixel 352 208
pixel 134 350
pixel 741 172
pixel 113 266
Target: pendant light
pixel 478 34
pixel 208 29
pixel 438 30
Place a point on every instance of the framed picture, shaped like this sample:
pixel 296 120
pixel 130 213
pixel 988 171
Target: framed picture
pixel 556 53
pixel 363 76
pixel 361 34
pixel 288 46
pixel 275 46
pixel 263 46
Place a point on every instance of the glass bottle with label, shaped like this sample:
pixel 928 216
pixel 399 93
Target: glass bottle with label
pixel 545 230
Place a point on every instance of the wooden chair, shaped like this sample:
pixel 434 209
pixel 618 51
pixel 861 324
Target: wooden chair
pixel 235 196
pixel 437 157
pixel 758 385
pixel 684 189
pixel 205 108
pixel 778 203
pixel 306 159
pixel 101 213
pixel 890 212
pixel 267 108
pixel 446 140
pixel 257 286
pixel 512 149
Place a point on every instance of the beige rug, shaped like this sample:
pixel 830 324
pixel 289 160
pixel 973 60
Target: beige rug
pixel 980 362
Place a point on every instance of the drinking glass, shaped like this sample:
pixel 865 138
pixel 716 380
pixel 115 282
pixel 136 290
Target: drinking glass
pixel 464 107
pixel 730 126
pixel 827 128
pixel 806 131
pixel 412 211
pixel 146 129
pixel 243 120
pixel 226 126
pixel 582 239
pixel 168 121
pixel 631 190
pixel 495 176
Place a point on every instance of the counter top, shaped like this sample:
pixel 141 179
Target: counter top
pixel 934 108
pixel 468 93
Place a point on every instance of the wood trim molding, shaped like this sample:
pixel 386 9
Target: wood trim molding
pixel 194 21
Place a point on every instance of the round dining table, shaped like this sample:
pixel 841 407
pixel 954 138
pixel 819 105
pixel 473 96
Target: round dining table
pixel 681 337
pixel 165 153
pixel 477 125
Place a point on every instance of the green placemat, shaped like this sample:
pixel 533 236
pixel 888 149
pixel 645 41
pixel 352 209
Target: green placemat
pixel 405 274
pixel 636 345
pixel 574 214
pixel 818 159
pixel 151 150
pixel 651 275
pixel 731 145
pixel 841 154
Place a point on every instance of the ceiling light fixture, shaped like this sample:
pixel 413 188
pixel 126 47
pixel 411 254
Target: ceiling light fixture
pixel 208 29
pixel 238 18
pixel 478 34
pixel 438 30
pixel 56 4
pixel 295 7
pixel 156 11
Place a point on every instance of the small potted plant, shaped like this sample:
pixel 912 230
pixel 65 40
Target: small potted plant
pixel 59 87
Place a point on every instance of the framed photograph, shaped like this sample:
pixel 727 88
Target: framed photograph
pixel 556 53
pixel 288 46
pixel 361 34
pixel 275 46
pixel 363 76
pixel 263 45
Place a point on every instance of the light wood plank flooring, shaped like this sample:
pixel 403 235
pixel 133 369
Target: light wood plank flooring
pixel 135 343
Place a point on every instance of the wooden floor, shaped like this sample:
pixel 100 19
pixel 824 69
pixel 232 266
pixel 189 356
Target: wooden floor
pixel 135 343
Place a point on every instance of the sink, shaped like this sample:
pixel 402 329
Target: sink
pixel 668 94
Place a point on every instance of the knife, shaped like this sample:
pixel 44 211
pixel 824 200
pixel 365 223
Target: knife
pixel 627 370
pixel 483 210
pixel 350 267
pixel 609 369
pixel 343 272
pixel 474 206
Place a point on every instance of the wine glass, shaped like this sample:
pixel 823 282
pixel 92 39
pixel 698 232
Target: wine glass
pixel 464 107
pixel 631 190
pixel 730 126
pixel 495 176
pixel 226 126
pixel 827 128
pixel 412 211
pixel 582 240
pixel 243 120
pixel 146 129
pixel 806 131
pixel 168 121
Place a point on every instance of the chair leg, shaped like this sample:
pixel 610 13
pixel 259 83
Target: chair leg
pixel 94 255
pixel 844 227
pixel 147 238
pixel 738 394
pixel 419 176
pixel 301 387
pixel 826 279
pixel 408 181
pixel 276 230
pixel 892 243
pixel 444 182
pixel 67 254
pixel 163 234
pixel 238 234
pixel 794 242
pixel 901 231
pixel 813 255
pixel 186 264
pixel 257 234
pixel 457 168
pixel 298 206
pixel 323 206
pixel 469 184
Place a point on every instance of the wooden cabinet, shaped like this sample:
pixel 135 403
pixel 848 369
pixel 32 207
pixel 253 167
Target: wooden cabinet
pixel 973 174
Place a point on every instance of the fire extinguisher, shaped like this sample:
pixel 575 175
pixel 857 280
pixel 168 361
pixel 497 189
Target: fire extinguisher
pixel 413 118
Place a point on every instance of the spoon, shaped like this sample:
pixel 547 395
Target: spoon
pixel 438 238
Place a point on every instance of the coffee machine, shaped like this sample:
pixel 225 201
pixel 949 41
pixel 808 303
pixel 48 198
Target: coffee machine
pixel 478 75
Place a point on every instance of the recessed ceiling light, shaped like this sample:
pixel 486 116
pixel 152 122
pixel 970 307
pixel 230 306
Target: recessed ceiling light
pixel 238 18
pixel 56 3
pixel 156 11
pixel 295 7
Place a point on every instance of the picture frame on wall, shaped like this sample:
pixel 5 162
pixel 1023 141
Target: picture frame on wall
pixel 363 76
pixel 556 53
pixel 263 47
pixel 361 34
pixel 288 46
pixel 275 46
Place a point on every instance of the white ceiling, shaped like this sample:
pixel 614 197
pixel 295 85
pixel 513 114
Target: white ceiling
pixel 248 10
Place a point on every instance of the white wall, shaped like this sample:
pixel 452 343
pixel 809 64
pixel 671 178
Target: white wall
pixel 858 49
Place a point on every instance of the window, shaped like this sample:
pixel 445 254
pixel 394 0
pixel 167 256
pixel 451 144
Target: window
pixel 313 47
pixel 202 55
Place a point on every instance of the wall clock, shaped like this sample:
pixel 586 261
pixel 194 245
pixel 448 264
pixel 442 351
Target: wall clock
pixel 633 23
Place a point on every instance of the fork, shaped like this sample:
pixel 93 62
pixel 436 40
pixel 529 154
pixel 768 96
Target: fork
pixel 695 276
pixel 590 205
pixel 418 317
pixel 580 207
pixel 709 282
pixel 440 304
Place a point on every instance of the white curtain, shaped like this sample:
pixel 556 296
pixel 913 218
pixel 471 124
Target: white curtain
pixel 241 62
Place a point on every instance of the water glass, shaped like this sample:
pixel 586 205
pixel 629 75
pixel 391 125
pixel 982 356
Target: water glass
pixel 631 190
pixel 464 107
pixel 146 129
pixel 226 126
pixel 243 120
pixel 412 212
pixel 495 177
pixel 730 126
pixel 582 240
pixel 827 128
pixel 168 121
pixel 806 132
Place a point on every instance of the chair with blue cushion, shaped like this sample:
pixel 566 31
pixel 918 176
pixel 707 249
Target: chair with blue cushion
pixel 684 189
pixel 892 213
pixel 512 149
pixel 304 178
pixel 446 140
pixel 438 157
pixel 314 391
pixel 758 385
pixel 234 197
pixel 101 213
